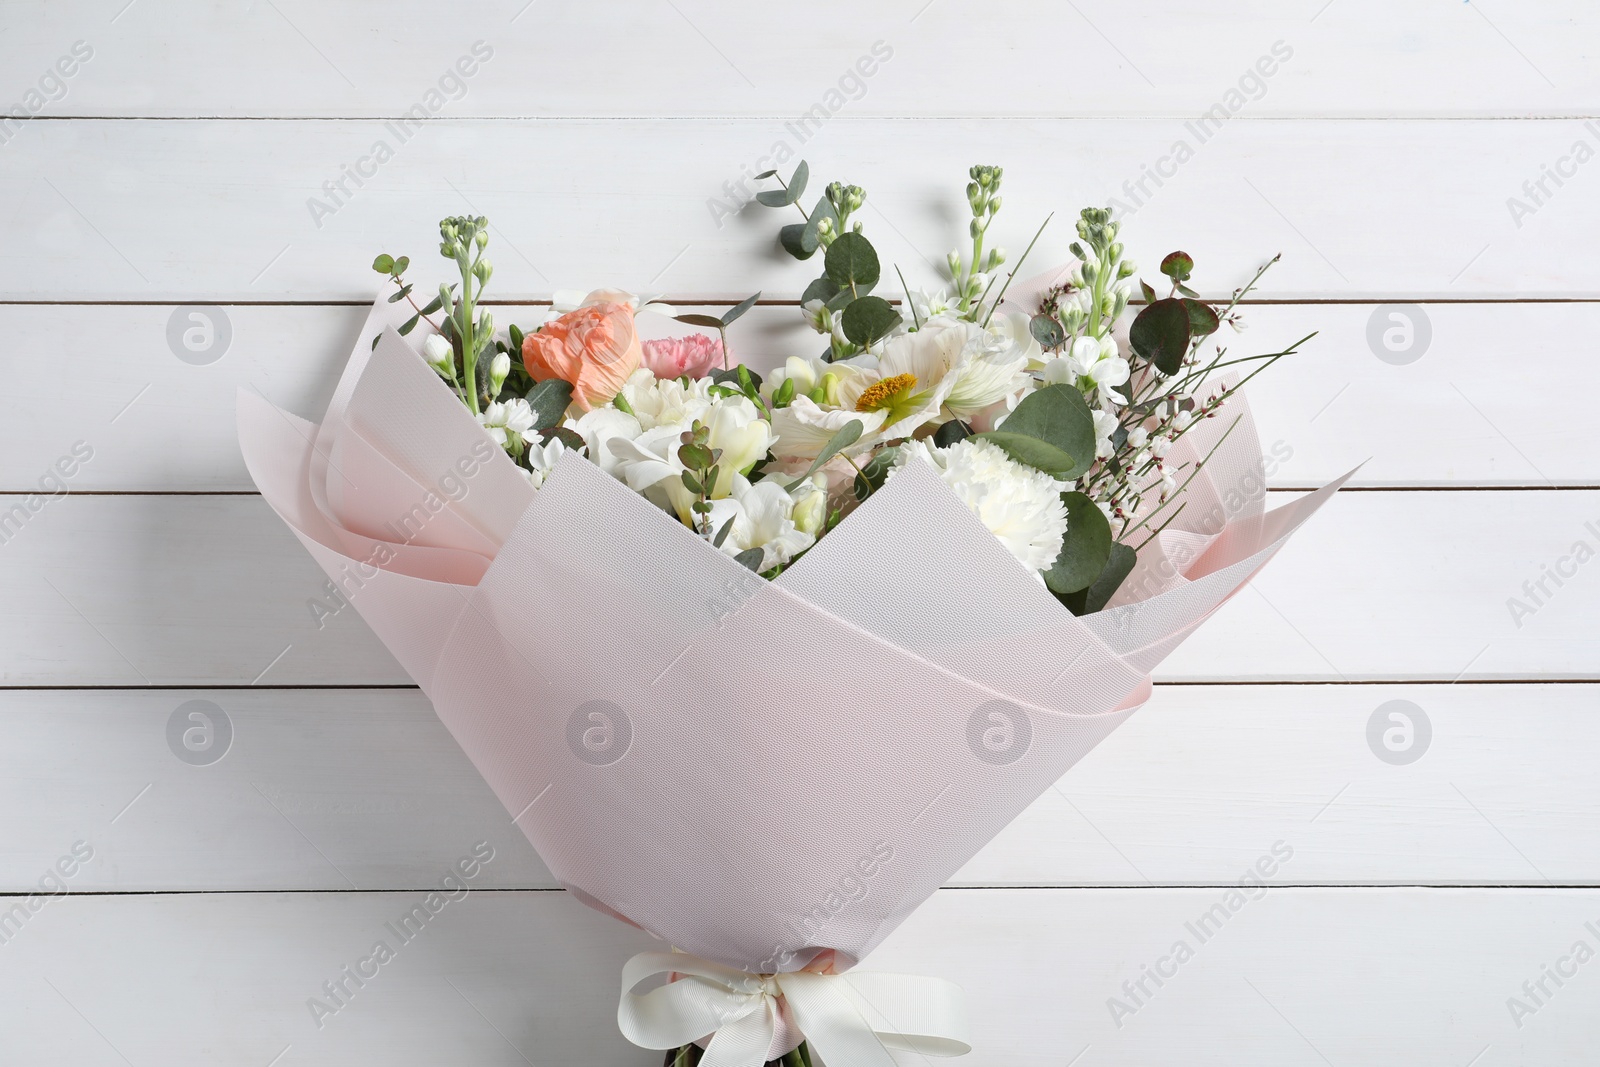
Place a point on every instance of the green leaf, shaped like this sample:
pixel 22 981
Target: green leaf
pixel 799 239
pixel 840 300
pixel 740 308
pixel 438 302
pixel 843 438
pixel 1177 266
pixel 1203 321
pixel 401 264
pixel 567 436
pixel 868 318
pixel 774 198
pixel 549 400
pixel 821 289
pixel 766 174
pixel 951 432
pixel 1047 331
pixel 797 181
pixel 1052 430
pixel 750 559
pixel 1160 334
pixel 399 294
pixel 722 534
pixel 695 457
pixel 823 210
pixel 1032 452
pixel 383 264
pixel 691 483
pixel 852 262
pixel 1149 293
pixel 874 472
pixel 696 319
pixel 516 335
pixel 1095 597
pixel 1085 550
pixel 409 325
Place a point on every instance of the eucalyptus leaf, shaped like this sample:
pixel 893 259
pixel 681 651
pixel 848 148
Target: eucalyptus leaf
pixel 696 319
pixel 722 534
pixel 766 174
pixel 1084 551
pixel 383 264
pixel 1060 427
pixel 1032 452
pixel 799 239
pixel 1047 331
pixel 740 308
pixel 868 319
pixel 951 432
pixel 1203 321
pixel 1160 334
pixel 822 289
pixel 843 438
pixel 1100 592
pixel 874 472
pixel 797 181
pixel 1178 266
pixel 567 436
pixel 852 262
pixel 549 400
pixel 409 325
pixel 774 197
pixel 750 559
pixel 823 210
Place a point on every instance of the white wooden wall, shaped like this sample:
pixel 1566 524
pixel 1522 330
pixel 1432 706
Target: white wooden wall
pixel 207 903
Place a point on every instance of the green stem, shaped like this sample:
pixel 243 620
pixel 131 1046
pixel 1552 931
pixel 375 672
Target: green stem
pixel 1016 267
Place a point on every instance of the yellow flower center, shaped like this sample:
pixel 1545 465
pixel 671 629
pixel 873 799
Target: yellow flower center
pixel 883 394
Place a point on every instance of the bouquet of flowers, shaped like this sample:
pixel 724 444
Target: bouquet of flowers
pixel 757 656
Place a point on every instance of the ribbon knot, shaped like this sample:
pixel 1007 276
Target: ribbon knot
pixel 851 1019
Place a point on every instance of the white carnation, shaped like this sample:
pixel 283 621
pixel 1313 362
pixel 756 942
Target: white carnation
pixel 1020 505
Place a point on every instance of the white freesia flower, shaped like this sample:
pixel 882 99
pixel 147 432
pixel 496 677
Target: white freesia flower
pixel 929 305
pixel 542 460
pixel 810 504
pixel 1020 505
pixel 649 463
pixel 440 356
pixel 601 426
pixel 508 421
pixel 763 517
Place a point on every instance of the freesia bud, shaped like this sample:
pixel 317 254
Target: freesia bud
pixel 499 367
pixel 440 356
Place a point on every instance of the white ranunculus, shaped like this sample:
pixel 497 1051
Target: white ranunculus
pixel 1020 505
pixel 665 401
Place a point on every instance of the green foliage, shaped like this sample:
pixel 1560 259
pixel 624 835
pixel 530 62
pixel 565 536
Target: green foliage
pixel 1160 334
pixel 1100 591
pixel 1178 266
pixel 1085 550
pixel 843 438
pixel 867 318
pixel 1051 430
pixel 852 263
pixel 549 400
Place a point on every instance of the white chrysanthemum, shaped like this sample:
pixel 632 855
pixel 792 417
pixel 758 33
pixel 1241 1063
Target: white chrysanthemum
pixel 1020 505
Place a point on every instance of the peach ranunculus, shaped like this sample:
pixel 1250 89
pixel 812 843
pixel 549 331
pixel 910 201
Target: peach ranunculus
pixel 595 348
pixel 674 357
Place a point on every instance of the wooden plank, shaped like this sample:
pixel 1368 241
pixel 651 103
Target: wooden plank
pixel 1404 585
pixel 1390 977
pixel 158 423
pixel 1359 57
pixel 328 790
pixel 220 210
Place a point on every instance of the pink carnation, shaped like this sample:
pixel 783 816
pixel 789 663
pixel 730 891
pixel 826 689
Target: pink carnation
pixel 674 357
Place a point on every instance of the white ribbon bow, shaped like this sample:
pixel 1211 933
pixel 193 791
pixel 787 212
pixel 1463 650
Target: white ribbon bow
pixel 851 1020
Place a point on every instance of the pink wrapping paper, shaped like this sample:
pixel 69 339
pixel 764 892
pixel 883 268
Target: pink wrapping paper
pixel 756 772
